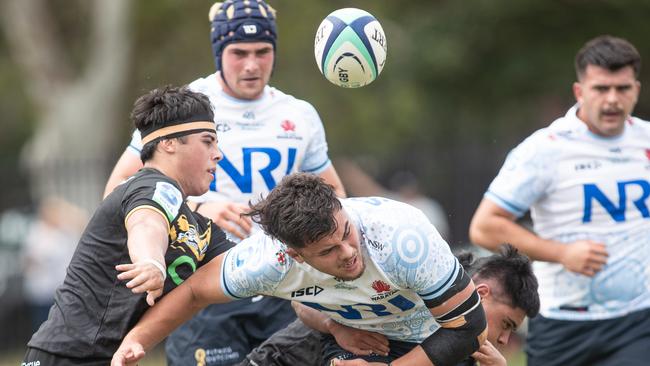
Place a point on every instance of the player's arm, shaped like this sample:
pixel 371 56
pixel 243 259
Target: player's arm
pixel 331 177
pixel 463 326
pixel 354 340
pixel 147 230
pixel 493 225
pixel 128 164
pixel 198 291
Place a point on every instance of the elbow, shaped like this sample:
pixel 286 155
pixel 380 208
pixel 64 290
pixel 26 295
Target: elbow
pixel 481 234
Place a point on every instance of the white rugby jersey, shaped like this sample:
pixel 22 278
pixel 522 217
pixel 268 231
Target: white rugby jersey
pixel 406 261
pixel 261 140
pixel 581 186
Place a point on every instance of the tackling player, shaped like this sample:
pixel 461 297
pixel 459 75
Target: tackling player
pixel 142 241
pixel 369 263
pixel 265 134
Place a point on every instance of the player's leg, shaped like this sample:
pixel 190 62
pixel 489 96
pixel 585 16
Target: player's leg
pixel 552 342
pixel 626 340
pixel 331 350
pixel 296 344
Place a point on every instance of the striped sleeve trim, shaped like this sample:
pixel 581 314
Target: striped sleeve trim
pixel 506 205
pixel 224 282
pixel 319 168
pixel 446 284
pixel 145 207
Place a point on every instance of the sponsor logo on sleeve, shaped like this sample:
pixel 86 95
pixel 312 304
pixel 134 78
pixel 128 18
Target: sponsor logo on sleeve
pixel 169 198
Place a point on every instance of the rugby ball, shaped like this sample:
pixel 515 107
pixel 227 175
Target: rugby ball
pixel 350 48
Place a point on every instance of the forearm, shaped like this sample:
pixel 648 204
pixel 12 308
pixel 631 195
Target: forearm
pixel 498 230
pixel 147 242
pixel 160 320
pixel 313 318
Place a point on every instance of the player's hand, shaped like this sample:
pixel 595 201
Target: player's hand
pixel 128 354
pixel 359 342
pixel 488 355
pixel 355 362
pixel 144 277
pixel 227 215
pixel 584 257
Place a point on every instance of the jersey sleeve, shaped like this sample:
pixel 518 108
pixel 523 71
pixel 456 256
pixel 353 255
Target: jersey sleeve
pixel 251 268
pixel 155 193
pixel 316 157
pixel 135 146
pixel 525 175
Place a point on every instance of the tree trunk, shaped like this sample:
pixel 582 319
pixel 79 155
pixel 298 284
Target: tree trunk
pixel 77 109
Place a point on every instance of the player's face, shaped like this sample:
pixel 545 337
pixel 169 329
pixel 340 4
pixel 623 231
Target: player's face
pixel 606 98
pixel 503 319
pixel 338 254
pixel 198 157
pixel 247 68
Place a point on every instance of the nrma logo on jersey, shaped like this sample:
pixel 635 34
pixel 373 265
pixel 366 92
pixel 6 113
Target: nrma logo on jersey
pixel 244 179
pixel 640 188
pixel 357 311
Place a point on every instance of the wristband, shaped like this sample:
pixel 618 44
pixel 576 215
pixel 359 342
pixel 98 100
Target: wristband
pixel 158 265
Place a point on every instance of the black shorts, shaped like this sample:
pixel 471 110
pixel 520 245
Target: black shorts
pixel 332 350
pixel 36 357
pixel 623 341
pixel 294 345
pixel 223 334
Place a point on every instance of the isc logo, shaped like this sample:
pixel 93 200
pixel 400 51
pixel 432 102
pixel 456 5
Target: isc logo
pixel 244 179
pixel 309 291
pixel 617 209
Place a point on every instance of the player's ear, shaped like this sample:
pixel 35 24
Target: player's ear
pixel 167 145
pixel 483 290
pixel 295 255
pixel 577 91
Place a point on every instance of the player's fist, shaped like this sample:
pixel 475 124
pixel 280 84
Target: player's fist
pixel 128 354
pixel 584 256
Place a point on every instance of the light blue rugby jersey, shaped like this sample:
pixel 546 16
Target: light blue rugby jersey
pixel 406 261
pixel 578 186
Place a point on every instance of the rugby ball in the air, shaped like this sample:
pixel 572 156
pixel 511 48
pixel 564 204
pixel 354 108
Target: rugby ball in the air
pixel 350 48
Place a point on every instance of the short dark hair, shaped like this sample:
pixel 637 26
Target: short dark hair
pixel 512 271
pixel 164 105
pixel 611 53
pixel 298 211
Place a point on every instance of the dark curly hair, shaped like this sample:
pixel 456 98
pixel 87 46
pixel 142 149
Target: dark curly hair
pixel 298 211
pixel 512 271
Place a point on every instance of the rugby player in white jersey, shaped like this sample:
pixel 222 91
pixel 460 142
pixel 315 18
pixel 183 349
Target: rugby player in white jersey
pixel 369 263
pixel 265 134
pixel 586 180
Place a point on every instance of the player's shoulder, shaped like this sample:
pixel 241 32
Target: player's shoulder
pixel 375 213
pixel 206 85
pixel 276 95
pixel 262 254
pixel 639 125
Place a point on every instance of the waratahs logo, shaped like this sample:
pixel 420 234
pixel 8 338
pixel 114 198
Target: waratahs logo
pixel 380 286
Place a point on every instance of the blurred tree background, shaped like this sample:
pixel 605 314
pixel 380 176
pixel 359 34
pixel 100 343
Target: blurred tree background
pixel 463 83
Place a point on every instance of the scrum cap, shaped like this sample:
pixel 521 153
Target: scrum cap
pixel 240 21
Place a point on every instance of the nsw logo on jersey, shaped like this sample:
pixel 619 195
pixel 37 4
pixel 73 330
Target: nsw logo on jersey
pixel 383 290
